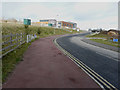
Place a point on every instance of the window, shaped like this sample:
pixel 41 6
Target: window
pixel 44 20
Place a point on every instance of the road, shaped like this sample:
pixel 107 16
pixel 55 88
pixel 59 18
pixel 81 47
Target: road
pixel 104 62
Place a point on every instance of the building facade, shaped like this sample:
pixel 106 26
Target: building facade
pixel 63 24
pixel 48 22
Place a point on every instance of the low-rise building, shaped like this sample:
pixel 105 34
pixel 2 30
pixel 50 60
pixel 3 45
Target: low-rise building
pixel 63 24
pixel 48 22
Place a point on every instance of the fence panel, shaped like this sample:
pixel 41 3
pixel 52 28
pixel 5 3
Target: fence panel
pixel 30 37
pixel 13 41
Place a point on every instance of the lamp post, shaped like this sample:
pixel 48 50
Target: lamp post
pixel 56 23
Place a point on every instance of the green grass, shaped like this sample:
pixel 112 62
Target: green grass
pixel 0 72
pixel 106 42
pixel 98 36
pixel 8 28
pixel 11 59
pixel 103 41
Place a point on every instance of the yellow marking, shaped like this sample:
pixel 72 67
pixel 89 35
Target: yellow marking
pixel 93 74
pixel 99 76
pixel 81 63
pixel 87 70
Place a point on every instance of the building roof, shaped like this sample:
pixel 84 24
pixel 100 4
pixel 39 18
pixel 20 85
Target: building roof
pixel 69 22
pixel 48 19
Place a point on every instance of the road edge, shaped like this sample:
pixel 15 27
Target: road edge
pixel 97 78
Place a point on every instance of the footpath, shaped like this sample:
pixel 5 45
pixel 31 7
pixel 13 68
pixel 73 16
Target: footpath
pixel 45 66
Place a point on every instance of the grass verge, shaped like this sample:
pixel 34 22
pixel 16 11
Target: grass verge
pixel 11 59
pixel 8 28
pixel 106 42
pixel 98 36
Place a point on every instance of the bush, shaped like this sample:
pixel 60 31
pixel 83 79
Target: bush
pixel 26 26
pixel 38 31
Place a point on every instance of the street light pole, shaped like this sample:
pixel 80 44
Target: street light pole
pixel 56 18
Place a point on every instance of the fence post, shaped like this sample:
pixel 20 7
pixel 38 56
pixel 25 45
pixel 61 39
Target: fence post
pixel 11 39
pixel 30 37
pixel 17 38
pixel 27 38
pixel 21 38
pixel 34 35
pixel 24 37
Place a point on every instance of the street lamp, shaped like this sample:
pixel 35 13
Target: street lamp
pixel 56 23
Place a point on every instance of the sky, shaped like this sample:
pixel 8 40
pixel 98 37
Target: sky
pixel 85 14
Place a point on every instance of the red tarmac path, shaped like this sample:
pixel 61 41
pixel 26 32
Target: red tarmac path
pixel 44 66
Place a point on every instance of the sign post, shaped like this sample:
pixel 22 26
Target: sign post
pixel 27 22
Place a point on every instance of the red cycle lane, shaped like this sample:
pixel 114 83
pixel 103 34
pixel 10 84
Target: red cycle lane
pixel 45 66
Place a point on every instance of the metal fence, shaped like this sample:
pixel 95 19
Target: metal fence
pixel 13 41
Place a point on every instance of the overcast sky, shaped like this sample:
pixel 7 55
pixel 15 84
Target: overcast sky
pixel 85 14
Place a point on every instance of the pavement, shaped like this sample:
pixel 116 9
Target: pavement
pixel 45 66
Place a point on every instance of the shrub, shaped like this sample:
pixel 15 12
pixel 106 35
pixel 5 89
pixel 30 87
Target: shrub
pixel 38 31
pixel 26 26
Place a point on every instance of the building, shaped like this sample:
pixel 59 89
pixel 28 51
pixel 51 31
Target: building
pixel 63 24
pixel 113 33
pixel 48 22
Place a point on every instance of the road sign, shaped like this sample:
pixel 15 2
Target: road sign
pixel 115 40
pixel 27 21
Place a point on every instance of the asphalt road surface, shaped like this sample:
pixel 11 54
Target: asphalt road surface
pixel 102 45
pixel 103 61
